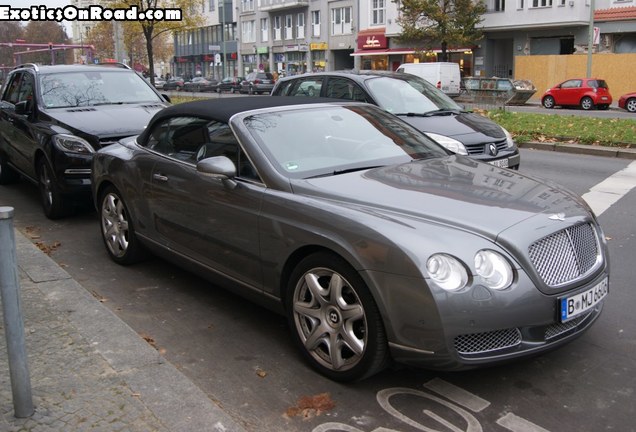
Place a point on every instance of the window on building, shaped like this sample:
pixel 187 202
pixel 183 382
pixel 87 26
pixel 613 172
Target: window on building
pixel 541 3
pixel 289 30
pixel 341 21
pixel 248 32
pixel 500 5
pixel 520 4
pixel 300 26
pixel 378 11
pixel 211 5
pixel 247 5
pixel 264 29
pixel 277 28
pixel 315 23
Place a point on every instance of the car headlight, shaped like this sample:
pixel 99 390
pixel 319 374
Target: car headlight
pixel 494 269
pixel 509 141
pixel 449 143
pixel 72 144
pixel 447 272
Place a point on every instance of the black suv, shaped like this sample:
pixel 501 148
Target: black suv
pixel 419 103
pixel 53 118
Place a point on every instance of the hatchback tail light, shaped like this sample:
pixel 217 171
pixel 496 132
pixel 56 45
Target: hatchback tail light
pixel 257 81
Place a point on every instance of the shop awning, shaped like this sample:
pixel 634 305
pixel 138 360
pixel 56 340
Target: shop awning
pixel 398 51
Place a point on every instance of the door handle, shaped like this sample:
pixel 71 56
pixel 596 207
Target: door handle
pixel 160 177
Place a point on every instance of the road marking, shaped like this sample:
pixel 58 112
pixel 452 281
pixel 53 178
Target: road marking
pixel 515 423
pixel 457 395
pixel 606 193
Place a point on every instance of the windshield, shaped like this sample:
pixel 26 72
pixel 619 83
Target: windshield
pixel 86 88
pixel 329 140
pixel 410 94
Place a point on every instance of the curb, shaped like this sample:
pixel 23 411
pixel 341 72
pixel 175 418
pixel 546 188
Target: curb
pixel 592 150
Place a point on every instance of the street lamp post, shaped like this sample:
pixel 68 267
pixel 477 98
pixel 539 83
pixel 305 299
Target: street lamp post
pixel 590 40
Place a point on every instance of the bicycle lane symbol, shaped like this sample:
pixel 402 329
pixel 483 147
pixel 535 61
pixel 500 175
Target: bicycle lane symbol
pixel 462 402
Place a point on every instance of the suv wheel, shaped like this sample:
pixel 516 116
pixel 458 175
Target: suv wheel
pixel 7 174
pixel 53 201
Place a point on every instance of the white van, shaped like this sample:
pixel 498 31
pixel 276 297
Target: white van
pixel 445 76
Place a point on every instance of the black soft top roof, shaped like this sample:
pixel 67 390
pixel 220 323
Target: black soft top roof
pixel 222 109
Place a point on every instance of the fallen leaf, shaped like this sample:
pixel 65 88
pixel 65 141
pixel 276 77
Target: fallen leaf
pixel 261 373
pixel 311 406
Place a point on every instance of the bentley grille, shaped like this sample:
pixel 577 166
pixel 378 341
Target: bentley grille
pixel 566 255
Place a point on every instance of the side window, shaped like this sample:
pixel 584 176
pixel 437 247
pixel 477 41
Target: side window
pixel 179 137
pixel 342 88
pixel 26 89
pixel 12 92
pixel 309 87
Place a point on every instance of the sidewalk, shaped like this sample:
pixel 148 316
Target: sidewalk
pixel 89 370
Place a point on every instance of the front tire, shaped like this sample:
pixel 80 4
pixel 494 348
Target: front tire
pixel 55 204
pixel 630 105
pixel 587 103
pixel 117 229
pixel 548 102
pixel 334 319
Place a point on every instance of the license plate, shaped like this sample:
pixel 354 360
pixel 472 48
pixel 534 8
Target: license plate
pixel 501 163
pixel 577 304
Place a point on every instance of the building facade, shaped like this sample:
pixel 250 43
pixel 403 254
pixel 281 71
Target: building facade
pixel 211 50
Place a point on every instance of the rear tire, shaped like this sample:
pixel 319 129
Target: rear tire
pixel 587 103
pixel 55 204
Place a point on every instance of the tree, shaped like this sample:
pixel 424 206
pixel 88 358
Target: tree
pixel 45 32
pixel 9 32
pixel 449 23
pixel 101 36
pixel 191 17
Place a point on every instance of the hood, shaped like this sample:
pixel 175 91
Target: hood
pixel 466 127
pixel 456 191
pixel 106 121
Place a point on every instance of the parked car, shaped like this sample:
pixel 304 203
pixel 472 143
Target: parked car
pixel 258 82
pixel 628 102
pixel 200 84
pixel 376 242
pixel 587 93
pixel 418 102
pixel 54 118
pixel 159 82
pixel 174 83
pixel 231 84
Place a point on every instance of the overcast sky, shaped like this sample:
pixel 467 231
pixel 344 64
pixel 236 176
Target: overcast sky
pixel 47 3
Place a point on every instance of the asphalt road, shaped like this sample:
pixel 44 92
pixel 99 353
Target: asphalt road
pixel 242 357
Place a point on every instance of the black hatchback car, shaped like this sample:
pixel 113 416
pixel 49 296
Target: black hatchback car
pixel 53 118
pixel 419 103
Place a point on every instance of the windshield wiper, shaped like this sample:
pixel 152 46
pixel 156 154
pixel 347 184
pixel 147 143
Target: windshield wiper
pixel 438 112
pixel 345 171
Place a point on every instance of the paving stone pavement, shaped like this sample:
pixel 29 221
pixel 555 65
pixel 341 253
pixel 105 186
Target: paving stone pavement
pixel 90 371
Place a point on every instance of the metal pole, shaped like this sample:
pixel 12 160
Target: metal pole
pixel 14 327
pixel 590 40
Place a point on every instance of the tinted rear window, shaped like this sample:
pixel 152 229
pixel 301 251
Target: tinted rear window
pixel 598 84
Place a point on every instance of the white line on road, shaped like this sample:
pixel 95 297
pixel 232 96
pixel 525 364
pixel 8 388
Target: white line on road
pixel 515 423
pixel 606 193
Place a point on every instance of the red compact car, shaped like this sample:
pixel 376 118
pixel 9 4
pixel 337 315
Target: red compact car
pixel 628 102
pixel 586 93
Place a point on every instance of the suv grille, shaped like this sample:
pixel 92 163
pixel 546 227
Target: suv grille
pixel 482 148
pixel 566 255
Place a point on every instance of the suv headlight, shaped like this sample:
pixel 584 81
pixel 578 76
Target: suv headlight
pixel 447 272
pixel 509 141
pixel 494 269
pixel 72 144
pixel 449 143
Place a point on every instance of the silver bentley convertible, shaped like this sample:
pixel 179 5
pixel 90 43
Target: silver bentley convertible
pixel 377 243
